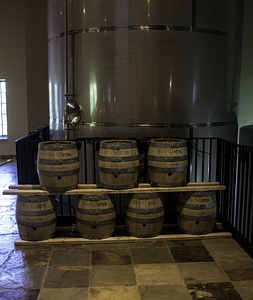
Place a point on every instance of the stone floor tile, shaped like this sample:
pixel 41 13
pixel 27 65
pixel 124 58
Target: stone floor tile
pixel 111 257
pixel 244 288
pixel 162 274
pixel 151 255
pixel 201 272
pixel 28 258
pixel 7 247
pixel 214 291
pixel 8 224
pixel 148 244
pixel 187 253
pixel 239 274
pixel 4 256
pixel 235 264
pixel 8 206
pixel 113 275
pixel 70 257
pixel 182 243
pixel 164 292
pixel 19 294
pixel 69 246
pixel 226 250
pixel 8 175
pixel 231 258
pixel 67 277
pixel 108 246
pixel 115 293
pixel 27 278
pixel 64 294
pixel 8 241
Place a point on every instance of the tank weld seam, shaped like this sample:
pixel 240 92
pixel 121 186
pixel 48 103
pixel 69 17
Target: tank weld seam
pixel 164 125
pixel 145 27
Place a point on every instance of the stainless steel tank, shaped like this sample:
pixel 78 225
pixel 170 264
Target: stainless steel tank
pixel 144 68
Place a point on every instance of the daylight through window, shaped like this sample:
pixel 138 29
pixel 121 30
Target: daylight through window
pixel 3 110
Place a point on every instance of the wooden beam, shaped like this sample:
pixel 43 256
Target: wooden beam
pixel 94 189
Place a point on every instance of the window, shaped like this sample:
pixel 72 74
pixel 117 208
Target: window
pixel 3 110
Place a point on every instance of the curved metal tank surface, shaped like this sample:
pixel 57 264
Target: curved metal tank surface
pixel 145 68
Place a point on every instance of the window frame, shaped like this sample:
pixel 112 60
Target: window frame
pixel 3 110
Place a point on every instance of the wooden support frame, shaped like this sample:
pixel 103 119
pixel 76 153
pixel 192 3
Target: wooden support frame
pixel 29 190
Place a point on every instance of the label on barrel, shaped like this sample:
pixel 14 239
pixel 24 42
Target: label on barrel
pixel 205 200
pixel 63 154
pixel 199 200
pixel 167 164
pixel 118 152
pixel 170 151
pixel 97 204
pixel 143 203
pixel 54 154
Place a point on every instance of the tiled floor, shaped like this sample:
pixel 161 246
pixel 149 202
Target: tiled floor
pixel 210 268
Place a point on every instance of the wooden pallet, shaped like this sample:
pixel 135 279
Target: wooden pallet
pixel 25 189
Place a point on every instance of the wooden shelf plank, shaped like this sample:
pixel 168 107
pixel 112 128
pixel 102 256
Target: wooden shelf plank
pixel 94 189
pixel 37 186
pixel 81 240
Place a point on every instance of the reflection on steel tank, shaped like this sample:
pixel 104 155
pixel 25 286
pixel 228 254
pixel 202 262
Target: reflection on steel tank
pixel 145 68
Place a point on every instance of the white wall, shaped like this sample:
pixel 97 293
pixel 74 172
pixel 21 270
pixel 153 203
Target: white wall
pixel 36 63
pixel 13 69
pixel 245 114
pixel 23 62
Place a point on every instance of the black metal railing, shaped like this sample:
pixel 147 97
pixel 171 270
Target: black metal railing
pixel 236 202
pixel 26 155
pixel 210 159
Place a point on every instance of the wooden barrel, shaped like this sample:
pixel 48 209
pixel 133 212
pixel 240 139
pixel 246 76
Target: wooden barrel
pixel 144 215
pixel 95 216
pixel 196 212
pixel 118 164
pixel 58 165
pixel 167 162
pixel 36 217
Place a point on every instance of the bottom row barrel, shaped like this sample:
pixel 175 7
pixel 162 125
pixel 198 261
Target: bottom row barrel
pixel 96 215
pixel 144 215
pixel 196 212
pixel 36 217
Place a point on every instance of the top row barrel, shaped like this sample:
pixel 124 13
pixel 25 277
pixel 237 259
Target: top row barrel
pixel 58 165
pixel 118 164
pixel 167 163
